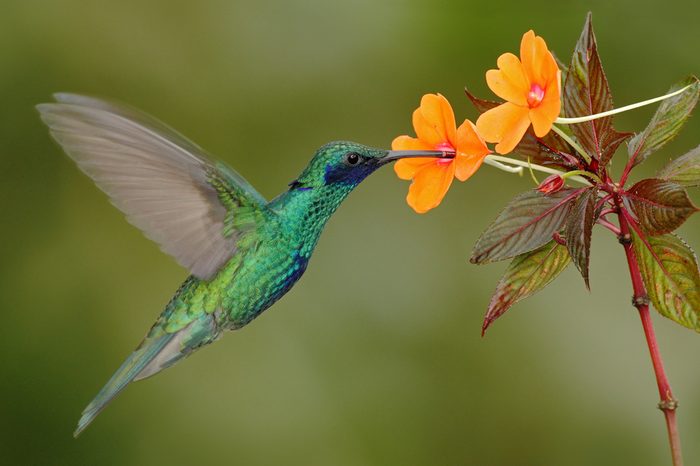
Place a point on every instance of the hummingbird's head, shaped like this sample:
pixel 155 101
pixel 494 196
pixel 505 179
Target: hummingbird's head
pixel 332 174
pixel 345 164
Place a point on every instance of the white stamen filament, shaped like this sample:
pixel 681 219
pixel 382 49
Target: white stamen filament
pixel 583 119
pixel 516 166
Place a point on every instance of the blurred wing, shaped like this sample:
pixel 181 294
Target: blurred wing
pixel 194 209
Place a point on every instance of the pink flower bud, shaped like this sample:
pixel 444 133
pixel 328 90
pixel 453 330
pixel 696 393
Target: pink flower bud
pixel 551 184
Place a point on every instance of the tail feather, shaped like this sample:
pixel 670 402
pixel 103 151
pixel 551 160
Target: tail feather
pixel 153 355
pixel 126 373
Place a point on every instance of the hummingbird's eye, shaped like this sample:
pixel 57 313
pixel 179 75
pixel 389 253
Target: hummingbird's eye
pixel 351 158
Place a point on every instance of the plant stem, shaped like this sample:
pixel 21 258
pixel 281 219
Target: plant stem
pixel 502 166
pixel 582 172
pixel 532 173
pixel 572 143
pixel 640 300
pixel 489 159
pixel 610 226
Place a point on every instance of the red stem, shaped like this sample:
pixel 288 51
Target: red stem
pixel 603 200
pixel 628 168
pixel 640 300
pixel 610 226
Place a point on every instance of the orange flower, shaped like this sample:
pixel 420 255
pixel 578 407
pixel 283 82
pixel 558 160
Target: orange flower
pixel 531 86
pixel 434 123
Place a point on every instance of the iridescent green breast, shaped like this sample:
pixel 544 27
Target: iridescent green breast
pixel 268 262
pixel 263 277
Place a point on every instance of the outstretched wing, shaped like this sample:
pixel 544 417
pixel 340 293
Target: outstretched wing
pixel 194 209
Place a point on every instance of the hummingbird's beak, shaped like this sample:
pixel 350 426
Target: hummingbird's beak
pixel 392 155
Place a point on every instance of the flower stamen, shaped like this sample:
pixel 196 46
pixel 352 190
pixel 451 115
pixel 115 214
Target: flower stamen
pixel 535 96
pixel 583 119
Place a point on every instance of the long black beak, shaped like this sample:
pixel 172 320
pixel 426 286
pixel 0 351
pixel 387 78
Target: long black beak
pixel 392 155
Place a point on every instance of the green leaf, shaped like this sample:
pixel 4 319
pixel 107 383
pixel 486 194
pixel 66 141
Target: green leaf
pixel 685 170
pixel 660 206
pixel 526 223
pixel 666 122
pixel 670 272
pixel 586 92
pixel 579 227
pixel 526 274
pixel 544 150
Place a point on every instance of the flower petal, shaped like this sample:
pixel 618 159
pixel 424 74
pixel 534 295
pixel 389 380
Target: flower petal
pixel 550 69
pixel 509 82
pixel 545 113
pixel 538 63
pixel 527 48
pixel 469 141
pixel 434 120
pixel 409 143
pixel 429 186
pixel 471 150
pixel 505 124
pixel 467 165
pixel 406 168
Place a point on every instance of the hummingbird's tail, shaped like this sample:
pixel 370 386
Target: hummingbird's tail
pixel 154 354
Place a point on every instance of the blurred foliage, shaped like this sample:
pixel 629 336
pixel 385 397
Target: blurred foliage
pixel 375 357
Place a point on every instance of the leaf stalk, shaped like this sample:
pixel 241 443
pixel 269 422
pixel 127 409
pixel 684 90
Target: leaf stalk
pixel 609 225
pixel 572 143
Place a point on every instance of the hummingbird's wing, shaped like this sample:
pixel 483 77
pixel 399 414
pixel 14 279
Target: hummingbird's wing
pixel 196 210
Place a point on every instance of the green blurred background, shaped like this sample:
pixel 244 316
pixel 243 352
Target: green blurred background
pixel 375 357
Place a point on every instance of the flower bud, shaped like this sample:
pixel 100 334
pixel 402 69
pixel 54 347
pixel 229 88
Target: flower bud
pixel 551 184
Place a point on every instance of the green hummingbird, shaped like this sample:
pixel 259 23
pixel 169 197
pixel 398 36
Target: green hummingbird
pixel 243 252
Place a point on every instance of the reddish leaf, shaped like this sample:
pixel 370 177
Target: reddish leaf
pixel 666 122
pixel 579 227
pixel 685 170
pixel 670 272
pixel 548 150
pixel 526 274
pixel 481 105
pixel 612 143
pixel 660 206
pixel 527 222
pixel 586 92
pixel 562 67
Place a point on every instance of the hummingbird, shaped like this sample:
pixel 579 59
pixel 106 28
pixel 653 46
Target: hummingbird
pixel 243 252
